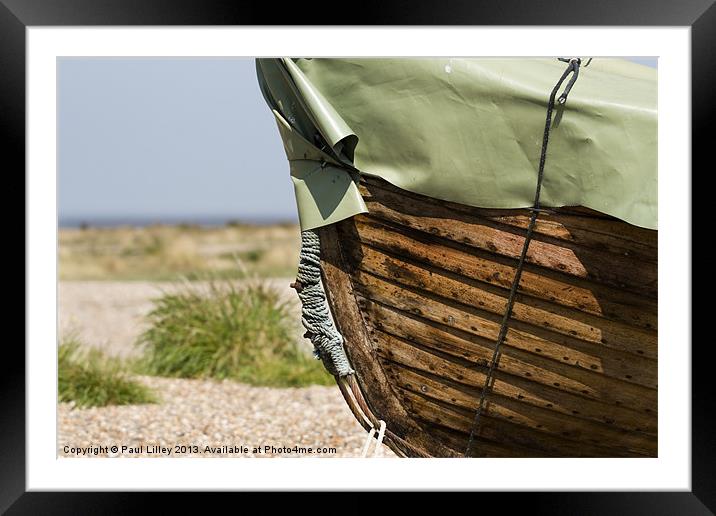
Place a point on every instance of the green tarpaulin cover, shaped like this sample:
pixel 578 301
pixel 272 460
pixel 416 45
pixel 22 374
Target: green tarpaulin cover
pixel 467 131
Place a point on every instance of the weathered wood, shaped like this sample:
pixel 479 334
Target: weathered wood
pixel 530 443
pixel 339 292
pixel 583 355
pixel 552 378
pixel 481 447
pixel 586 328
pixel 514 411
pixel 418 288
pixel 574 224
pixel 612 269
pixel 541 288
pixel 515 387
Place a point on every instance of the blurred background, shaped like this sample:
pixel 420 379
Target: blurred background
pixel 178 239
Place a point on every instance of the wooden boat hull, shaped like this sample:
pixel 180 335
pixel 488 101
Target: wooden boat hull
pixel 418 287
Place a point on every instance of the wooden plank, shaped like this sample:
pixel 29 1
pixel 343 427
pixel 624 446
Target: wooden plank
pixel 377 390
pixel 418 288
pixel 476 352
pixel 589 329
pixel 514 436
pixel 448 427
pixel 436 414
pixel 599 359
pixel 481 447
pixel 574 224
pixel 592 299
pixel 515 387
pixel 615 270
pixel 537 418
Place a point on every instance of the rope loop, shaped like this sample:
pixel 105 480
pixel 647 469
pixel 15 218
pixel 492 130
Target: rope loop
pixel 378 451
pixel 573 68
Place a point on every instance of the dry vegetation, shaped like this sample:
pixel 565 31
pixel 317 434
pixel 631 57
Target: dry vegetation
pixel 167 253
pixel 149 360
pixel 229 323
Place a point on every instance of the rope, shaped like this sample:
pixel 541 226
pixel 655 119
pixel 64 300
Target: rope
pixel 327 341
pixel 378 451
pixel 572 68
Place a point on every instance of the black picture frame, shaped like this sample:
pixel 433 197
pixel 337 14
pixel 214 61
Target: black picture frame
pixel 17 15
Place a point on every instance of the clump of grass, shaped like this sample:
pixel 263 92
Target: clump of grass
pixel 222 331
pixel 89 378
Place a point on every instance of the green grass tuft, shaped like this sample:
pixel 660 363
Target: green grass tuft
pixel 89 378
pixel 225 332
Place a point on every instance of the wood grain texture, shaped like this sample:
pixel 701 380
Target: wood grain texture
pixel 418 287
pixel 403 435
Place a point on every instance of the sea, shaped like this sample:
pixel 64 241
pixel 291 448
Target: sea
pixel 174 220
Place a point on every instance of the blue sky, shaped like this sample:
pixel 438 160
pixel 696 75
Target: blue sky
pixel 159 138
pixel 169 139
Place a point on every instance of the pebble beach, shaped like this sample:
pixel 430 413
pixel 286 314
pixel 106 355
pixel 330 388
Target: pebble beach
pixel 196 418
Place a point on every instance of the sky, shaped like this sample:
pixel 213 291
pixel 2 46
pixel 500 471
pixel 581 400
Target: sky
pixel 170 140
pixel 166 138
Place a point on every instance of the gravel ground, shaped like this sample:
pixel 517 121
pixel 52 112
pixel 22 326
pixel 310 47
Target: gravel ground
pixel 193 413
pixel 211 413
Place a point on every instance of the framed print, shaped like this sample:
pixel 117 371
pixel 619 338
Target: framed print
pixel 470 232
